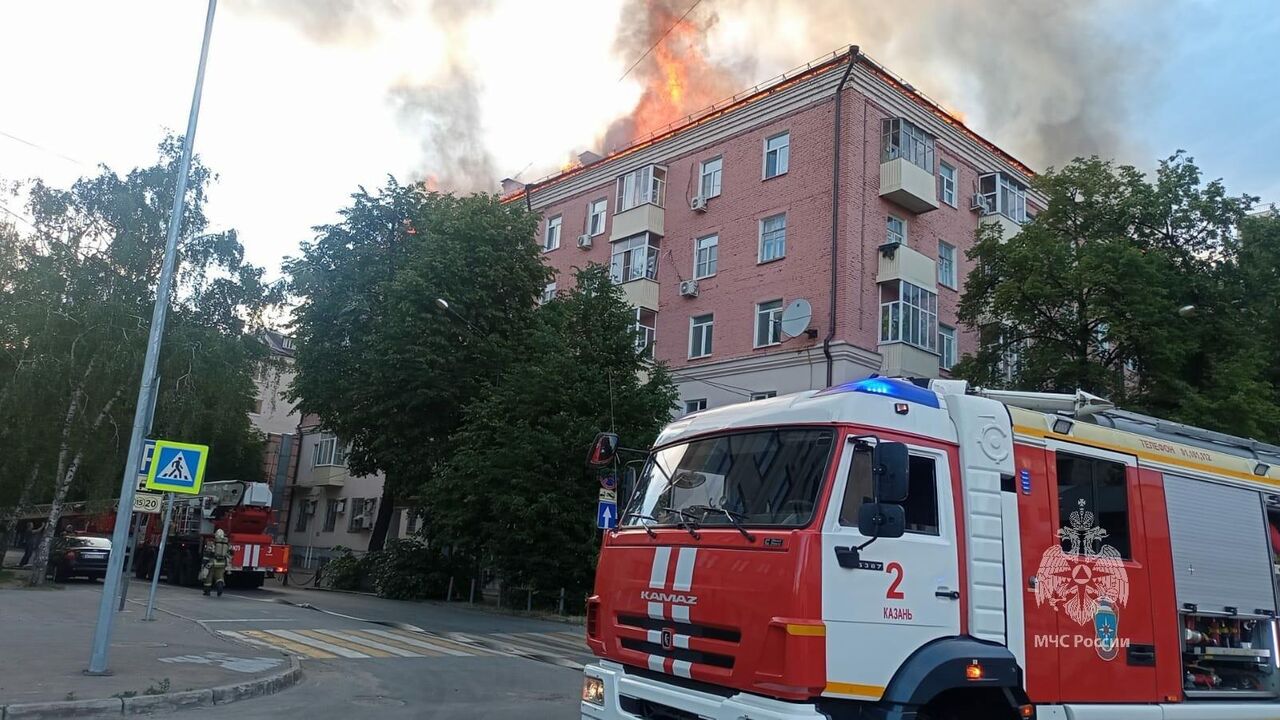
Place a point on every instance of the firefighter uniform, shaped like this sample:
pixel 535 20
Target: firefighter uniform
pixel 216 556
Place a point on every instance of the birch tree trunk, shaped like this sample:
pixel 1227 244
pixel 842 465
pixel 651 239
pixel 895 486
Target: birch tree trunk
pixel 65 479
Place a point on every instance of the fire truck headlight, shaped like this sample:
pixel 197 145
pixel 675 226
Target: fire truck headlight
pixel 593 690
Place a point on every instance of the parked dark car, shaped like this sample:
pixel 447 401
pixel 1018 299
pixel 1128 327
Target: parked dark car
pixel 79 556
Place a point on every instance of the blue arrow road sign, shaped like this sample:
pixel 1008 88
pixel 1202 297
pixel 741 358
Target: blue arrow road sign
pixel 606 514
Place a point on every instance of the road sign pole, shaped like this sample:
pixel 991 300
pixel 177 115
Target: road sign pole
pixel 130 552
pixel 142 409
pixel 155 573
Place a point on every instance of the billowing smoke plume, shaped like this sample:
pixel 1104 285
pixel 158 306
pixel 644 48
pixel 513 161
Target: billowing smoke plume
pixel 1046 80
pixel 443 113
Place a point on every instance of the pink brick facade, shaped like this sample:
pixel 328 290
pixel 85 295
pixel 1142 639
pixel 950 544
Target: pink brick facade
pixel 805 109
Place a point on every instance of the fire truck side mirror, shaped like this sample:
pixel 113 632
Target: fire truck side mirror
pixel 881 520
pixel 890 462
pixel 603 450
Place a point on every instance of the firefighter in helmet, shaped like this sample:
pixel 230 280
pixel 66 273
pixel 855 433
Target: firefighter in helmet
pixel 216 556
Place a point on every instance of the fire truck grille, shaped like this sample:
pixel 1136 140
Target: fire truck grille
pixel 692 656
pixel 650 710
pixel 699 631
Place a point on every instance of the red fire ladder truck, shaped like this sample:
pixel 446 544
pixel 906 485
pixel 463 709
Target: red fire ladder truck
pixel 240 509
pixel 883 549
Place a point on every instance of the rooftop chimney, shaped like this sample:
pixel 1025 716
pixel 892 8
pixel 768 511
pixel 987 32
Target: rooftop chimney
pixel 587 157
pixel 509 186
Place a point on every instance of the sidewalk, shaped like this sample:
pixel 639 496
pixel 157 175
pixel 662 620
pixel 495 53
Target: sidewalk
pixel 46 634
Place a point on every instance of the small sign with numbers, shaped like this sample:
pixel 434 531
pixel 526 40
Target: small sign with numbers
pixel 145 502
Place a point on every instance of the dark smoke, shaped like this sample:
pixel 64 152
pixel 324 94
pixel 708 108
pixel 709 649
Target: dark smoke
pixel 1047 80
pixel 444 115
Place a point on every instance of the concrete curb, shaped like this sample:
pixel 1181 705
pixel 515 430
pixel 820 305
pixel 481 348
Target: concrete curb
pixel 146 704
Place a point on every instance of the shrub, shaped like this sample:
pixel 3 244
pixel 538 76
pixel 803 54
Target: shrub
pixel 346 571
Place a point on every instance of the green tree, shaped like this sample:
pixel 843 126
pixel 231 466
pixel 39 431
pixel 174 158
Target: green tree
pixel 379 361
pixel 514 490
pixel 77 293
pixel 1088 294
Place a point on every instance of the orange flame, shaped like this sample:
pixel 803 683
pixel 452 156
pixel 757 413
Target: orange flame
pixel 677 76
pixel 431 183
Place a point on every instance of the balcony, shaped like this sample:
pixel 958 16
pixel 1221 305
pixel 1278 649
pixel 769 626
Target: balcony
pixel 1008 226
pixel 643 218
pixel 899 262
pixel 641 293
pixel 899 359
pixel 334 476
pixel 906 184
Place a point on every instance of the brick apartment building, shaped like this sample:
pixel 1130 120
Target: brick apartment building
pixel 838 184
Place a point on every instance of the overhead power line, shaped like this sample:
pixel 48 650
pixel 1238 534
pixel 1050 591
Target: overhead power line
pixel 659 42
pixel 42 148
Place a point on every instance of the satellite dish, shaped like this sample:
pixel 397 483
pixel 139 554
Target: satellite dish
pixel 795 319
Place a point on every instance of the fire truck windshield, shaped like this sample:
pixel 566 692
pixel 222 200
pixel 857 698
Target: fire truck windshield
pixel 758 478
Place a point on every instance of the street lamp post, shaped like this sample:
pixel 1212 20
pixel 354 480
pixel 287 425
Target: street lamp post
pixel 128 484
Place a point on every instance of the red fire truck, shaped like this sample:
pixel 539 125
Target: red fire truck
pixel 883 549
pixel 240 509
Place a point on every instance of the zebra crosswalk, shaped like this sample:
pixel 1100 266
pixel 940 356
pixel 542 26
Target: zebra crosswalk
pixel 566 649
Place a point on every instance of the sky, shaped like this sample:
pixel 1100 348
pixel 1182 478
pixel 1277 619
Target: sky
pixel 306 100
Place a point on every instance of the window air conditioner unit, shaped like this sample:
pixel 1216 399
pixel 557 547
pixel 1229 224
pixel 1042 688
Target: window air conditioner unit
pixel 311 507
pixel 584 241
pixel 980 203
pixel 689 288
pixel 370 512
pixel 698 203
pixel 342 505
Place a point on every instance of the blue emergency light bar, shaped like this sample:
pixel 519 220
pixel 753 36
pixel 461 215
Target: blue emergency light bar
pixel 888 387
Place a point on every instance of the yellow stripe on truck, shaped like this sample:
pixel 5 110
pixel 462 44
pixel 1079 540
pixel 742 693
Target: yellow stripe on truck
pixel 868 692
pixel 807 630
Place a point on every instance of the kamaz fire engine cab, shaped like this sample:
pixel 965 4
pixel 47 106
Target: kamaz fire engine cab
pixel 885 550
pixel 240 509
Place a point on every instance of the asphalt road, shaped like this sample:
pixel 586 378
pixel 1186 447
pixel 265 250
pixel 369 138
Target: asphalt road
pixel 363 655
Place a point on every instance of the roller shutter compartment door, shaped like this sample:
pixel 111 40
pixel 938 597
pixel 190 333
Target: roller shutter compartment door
pixel 1220 553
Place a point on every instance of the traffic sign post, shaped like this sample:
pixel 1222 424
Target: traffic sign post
pixel 606 515
pixel 142 414
pixel 177 467
pixel 155 572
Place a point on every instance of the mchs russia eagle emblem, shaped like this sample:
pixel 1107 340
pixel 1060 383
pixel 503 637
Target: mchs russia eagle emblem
pixel 1087 577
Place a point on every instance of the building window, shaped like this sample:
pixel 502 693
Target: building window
pixel 773 237
pixel 595 216
pixel 946 264
pixel 946 347
pixel 411 521
pixel 646 185
pixel 1101 485
pixel 769 323
pixel 1001 194
pixel 693 406
pixel 552 239
pixel 300 524
pixel 330 515
pixel 646 330
pixel 548 293
pixel 706 253
pixel 362 514
pixel 634 258
pixel 700 331
pixel 711 174
pixel 328 451
pixel 908 314
pixel 764 395
pixel 777 155
pixel 903 139
pixel 947 184
pixel 895 230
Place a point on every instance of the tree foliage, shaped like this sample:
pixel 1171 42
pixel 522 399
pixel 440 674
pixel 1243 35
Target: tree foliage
pixel 1088 295
pixel 514 490
pixel 379 361
pixel 76 294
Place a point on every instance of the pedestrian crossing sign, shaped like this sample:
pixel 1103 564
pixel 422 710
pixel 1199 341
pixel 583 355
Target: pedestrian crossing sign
pixel 177 467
